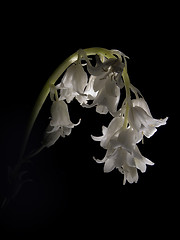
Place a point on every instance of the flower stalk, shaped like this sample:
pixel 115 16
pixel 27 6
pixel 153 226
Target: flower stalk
pixel 128 95
pixel 51 81
pixel 130 123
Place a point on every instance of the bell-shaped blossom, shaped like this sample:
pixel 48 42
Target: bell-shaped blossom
pixel 102 90
pixel 60 115
pixel 122 151
pixel 89 91
pixel 73 83
pixel 107 98
pixel 109 132
pixel 141 120
pixel 104 85
pixel 125 162
pixel 126 139
pixel 60 124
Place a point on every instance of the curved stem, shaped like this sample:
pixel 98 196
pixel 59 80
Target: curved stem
pixel 128 96
pixel 51 80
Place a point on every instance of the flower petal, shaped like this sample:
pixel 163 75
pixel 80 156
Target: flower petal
pixel 96 138
pixel 126 139
pixel 60 114
pixel 51 138
pixel 91 94
pixel 99 82
pixel 79 79
pixel 140 102
pixel 111 88
pixel 101 109
pixel 141 161
pixel 109 165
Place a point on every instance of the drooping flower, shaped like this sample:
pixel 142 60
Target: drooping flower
pixel 73 83
pixel 130 122
pixel 109 132
pixel 60 115
pixel 107 97
pixel 89 92
pixel 122 152
pixel 141 120
pixel 60 124
pixel 125 162
pixel 104 86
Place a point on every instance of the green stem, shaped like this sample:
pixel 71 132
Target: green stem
pixel 128 96
pixel 51 80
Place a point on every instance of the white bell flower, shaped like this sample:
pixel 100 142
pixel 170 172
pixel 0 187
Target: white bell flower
pixel 51 137
pixel 122 151
pixel 125 162
pixel 126 138
pixel 89 91
pixel 60 115
pixel 104 86
pixel 130 122
pixel 107 97
pixel 141 120
pixel 74 83
pixel 109 132
pixel 60 124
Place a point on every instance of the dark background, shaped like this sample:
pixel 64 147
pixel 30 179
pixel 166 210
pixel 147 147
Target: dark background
pixel 69 192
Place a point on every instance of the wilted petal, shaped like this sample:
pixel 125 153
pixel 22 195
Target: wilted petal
pixel 100 67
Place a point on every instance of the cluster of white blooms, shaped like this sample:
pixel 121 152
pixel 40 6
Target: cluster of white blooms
pixel 102 88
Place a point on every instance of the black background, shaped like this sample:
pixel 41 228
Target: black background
pixel 69 193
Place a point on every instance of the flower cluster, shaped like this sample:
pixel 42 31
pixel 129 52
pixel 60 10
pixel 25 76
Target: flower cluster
pixel 121 142
pixel 130 123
